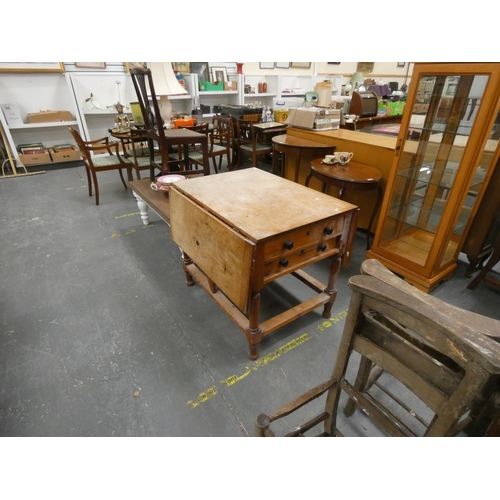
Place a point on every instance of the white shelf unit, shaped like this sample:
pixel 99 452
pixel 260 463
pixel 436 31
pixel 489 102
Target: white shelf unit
pixel 184 103
pixel 96 123
pixel 31 93
pixel 265 98
pixel 302 84
pixel 222 97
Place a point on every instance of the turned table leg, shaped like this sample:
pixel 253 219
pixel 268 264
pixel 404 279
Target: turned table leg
pixel 186 261
pixel 143 208
pixel 254 334
pixel 331 288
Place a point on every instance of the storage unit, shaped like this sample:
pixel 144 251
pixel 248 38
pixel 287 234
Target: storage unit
pixel 25 96
pixel 441 167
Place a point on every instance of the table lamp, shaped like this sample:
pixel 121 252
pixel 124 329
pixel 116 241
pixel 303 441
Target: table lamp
pixel 357 79
pixel 166 84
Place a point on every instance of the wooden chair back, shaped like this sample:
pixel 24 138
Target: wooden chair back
pixel 163 141
pixel 436 370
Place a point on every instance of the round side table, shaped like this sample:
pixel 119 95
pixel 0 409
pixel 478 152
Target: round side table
pixel 296 146
pixel 354 176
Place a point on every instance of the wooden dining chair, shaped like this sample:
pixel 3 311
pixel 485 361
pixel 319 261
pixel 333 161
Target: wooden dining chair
pixel 247 144
pixel 100 155
pixel 165 142
pixel 219 142
pixel 442 369
pixel 135 148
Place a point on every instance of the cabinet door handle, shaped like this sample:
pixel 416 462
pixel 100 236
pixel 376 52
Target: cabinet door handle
pixel 321 247
pixel 283 262
pixel 288 244
pixel 328 230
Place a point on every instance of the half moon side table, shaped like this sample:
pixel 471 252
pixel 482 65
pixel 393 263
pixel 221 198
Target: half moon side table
pixel 354 176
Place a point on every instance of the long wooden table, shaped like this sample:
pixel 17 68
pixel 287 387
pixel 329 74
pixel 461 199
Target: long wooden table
pixel 243 229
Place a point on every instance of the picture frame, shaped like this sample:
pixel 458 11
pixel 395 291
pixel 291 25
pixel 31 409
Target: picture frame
pixel 201 69
pixel 129 65
pixel 219 74
pixel 266 65
pixel 302 65
pixel 181 67
pixel 365 67
pixel 94 65
pixel 32 67
pixel 401 64
pixel 283 65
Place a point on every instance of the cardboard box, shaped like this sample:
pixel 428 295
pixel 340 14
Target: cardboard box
pixel 64 155
pixel 230 85
pixel 314 118
pixel 12 114
pixel 49 116
pixel 35 159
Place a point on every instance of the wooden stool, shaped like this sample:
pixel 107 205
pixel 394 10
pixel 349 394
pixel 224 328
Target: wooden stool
pixel 354 176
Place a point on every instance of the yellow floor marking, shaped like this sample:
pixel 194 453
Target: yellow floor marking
pixel 131 231
pixel 127 215
pixel 268 358
pixel 204 397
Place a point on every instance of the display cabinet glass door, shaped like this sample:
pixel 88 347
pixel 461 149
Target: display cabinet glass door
pixel 437 182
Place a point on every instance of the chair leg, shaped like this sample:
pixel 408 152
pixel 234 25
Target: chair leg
pixel 215 165
pixel 89 181
pixel 122 178
pixel 96 188
pixel 229 163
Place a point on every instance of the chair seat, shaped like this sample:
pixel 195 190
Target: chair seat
pixel 258 146
pixel 198 155
pixel 106 161
pixel 144 161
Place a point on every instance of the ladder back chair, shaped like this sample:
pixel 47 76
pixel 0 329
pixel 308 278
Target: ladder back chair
pixel 442 369
pixel 162 140
pixel 100 155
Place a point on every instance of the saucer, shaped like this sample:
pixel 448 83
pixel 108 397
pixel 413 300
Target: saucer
pixel 333 162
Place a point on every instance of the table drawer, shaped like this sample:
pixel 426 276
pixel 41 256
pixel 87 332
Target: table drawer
pixel 296 259
pixel 303 237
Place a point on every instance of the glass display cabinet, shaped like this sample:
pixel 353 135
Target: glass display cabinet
pixel 446 150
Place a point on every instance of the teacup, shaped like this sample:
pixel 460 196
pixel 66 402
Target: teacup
pixel 343 157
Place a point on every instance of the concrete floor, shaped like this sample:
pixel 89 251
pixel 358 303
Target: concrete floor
pixel 101 337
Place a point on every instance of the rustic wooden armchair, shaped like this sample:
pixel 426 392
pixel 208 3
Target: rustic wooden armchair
pixel 100 155
pixel 247 144
pixel 444 372
pixel 165 141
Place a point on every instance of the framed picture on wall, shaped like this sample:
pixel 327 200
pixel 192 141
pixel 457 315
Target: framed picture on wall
pixel 32 67
pixel 365 67
pixel 94 65
pixel 266 65
pixel 284 65
pixel 182 67
pixel 401 65
pixel 302 65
